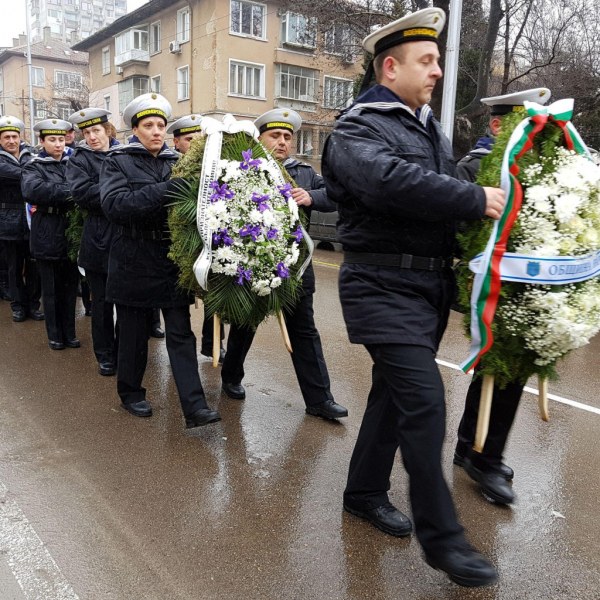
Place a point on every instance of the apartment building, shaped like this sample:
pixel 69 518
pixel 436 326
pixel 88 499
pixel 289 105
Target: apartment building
pixel 59 79
pixel 72 20
pixel 225 56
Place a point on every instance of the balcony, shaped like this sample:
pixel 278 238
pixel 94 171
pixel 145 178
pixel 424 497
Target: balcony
pixel 128 57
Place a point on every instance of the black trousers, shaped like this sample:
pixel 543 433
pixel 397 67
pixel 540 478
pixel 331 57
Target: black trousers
pixel 208 329
pixel 103 320
pixel 134 330
pixel 307 355
pixel 59 294
pixel 23 277
pixel 504 408
pixel 405 410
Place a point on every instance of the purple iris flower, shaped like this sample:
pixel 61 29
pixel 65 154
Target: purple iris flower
pixel 298 234
pixel 243 275
pixel 252 230
pixel 222 235
pixel 221 192
pixel 285 190
pixel 272 234
pixel 282 271
pixel 261 201
pixel 249 162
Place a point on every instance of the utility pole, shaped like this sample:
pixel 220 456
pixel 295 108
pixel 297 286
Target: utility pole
pixel 451 68
pixel 29 73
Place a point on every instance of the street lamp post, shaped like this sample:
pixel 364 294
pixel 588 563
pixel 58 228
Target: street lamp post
pixel 29 72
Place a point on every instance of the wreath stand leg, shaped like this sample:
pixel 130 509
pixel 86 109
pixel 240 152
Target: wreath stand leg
pixel 485 409
pixel 543 397
pixel 284 332
pixel 216 349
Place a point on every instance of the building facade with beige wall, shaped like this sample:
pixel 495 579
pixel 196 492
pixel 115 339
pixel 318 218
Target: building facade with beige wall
pixel 224 56
pixel 59 80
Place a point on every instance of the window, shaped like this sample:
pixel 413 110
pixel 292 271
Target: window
pixel 132 45
pixel 155 37
pixel 67 80
pixel 38 77
pixel 183 83
pixel 183 25
pixel 246 79
pixel 63 111
pixel 130 89
pixel 106 60
pixel 337 93
pixel 297 83
pixel 107 103
pixel 298 30
pixel 248 18
pixel 155 84
pixel 39 109
pixel 304 142
pixel 340 40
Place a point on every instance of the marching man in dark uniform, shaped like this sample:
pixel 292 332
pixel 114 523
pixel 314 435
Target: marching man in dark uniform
pixel 184 130
pixel 277 128
pixel 83 174
pixel 389 168
pixel 44 185
pixel 487 468
pixel 23 286
pixel 134 188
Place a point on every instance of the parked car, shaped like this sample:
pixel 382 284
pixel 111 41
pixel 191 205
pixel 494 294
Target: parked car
pixel 322 226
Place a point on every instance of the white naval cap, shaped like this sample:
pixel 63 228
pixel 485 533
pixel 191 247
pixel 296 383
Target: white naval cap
pixel 501 105
pixel 86 117
pixel 279 118
pixel 187 124
pixel 425 24
pixel 8 123
pixel 52 127
pixel 146 105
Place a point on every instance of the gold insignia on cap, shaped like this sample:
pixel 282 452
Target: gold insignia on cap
pixel 9 122
pixel 82 114
pixel 542 93
pixel 153 96
pixel 436 19
pixel 193 117
pixel 54 120
pixel 286 114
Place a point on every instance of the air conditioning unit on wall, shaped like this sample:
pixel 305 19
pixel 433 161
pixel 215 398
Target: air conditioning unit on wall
pixel 174 47
pixel 119 70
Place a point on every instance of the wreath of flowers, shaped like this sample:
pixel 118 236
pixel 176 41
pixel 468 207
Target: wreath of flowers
pixel 257 237
pixel 536 325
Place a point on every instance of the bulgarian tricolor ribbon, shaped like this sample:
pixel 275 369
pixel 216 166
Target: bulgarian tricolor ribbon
pixel 486 283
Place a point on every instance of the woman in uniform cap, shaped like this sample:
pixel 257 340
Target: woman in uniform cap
pixel 44 185
pixel 83 174
pixel 134 188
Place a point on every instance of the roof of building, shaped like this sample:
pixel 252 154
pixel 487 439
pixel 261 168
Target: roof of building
pixel 144 12
pixel 54 50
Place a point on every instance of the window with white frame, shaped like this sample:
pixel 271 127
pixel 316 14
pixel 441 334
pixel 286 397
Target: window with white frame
pixel 304 145
pixel 246 79
pixel 155 84
pixel 40 110
pixel 63 111
pixel 183 83
pixel 106 60
pixel 297 83
pixel 131 88
pixel 38 77
pixel 155 37
pixel 183 25
pixel 298 30
pixel 107 103
pixel 337 92
pixel 340 40
pixel 132 45
pixel 69 80
pixel 248 18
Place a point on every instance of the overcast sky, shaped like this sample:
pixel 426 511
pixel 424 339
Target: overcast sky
pixel 11 27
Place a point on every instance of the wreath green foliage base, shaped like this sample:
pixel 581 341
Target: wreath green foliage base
pixel 508 360
pixel 234 303
pixel 75 218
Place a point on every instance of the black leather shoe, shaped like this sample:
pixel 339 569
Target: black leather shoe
pixel 501 468
pixel 235 391
pixel 139 409
pixel 493 486
pixel 464 565
pixel 106 368
pixel 36 315
pixel 157 332
pixel 18 315
pixel 327 410
pixel 56 345
pixel 204 416
pixel 73 343
pixel 385 517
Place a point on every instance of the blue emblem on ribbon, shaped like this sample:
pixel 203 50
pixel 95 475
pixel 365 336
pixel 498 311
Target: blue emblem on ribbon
pixel 533 268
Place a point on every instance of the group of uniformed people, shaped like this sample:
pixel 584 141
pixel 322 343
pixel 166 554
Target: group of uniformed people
pixel 389 171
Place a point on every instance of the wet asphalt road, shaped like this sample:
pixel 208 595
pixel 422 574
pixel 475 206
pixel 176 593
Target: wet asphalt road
pixel 97 504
